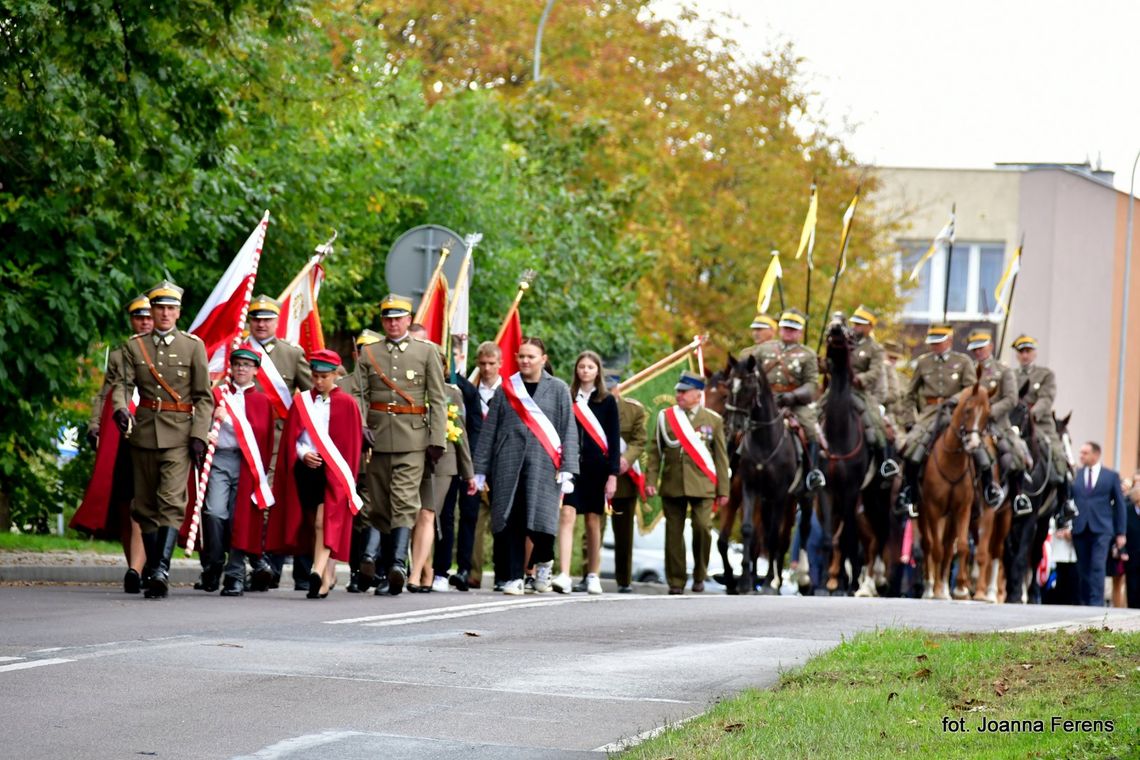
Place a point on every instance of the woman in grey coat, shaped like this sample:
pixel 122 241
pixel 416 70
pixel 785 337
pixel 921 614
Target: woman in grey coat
pixel 527 454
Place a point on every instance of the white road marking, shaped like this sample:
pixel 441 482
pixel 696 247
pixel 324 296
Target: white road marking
pixel 479 608
pixel 288 747
pixel 33 664
pixel 10 659
pixel 621 745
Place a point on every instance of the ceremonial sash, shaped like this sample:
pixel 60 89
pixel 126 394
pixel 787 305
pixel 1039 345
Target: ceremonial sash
pixel 336 466
pixel 691 442
pixel 534 418
pixel 634 472
pixel 269 377
pixel 591 424
pixel 250 452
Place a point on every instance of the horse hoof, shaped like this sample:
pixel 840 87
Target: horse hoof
pixel 767 590
pixel 731 590
pixel 928 594
pixel 961 593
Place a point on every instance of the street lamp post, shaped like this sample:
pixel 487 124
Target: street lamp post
pixel 1116 443
pixel 538 39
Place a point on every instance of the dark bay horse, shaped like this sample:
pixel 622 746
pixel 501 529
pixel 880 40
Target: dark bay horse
pixel 949 493
pixel 848 464
pixel 1023 549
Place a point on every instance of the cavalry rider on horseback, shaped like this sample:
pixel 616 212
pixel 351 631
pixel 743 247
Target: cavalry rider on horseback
pixel 1039 392
pixel 999 381
pixel 763 330
pixel 938 378
pixel 870 387
pixel 792 370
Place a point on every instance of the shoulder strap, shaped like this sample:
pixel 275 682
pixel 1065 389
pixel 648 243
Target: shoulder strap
pixel 174 395
pixel 384 379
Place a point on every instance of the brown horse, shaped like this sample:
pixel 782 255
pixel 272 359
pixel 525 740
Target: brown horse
pixel 949 494
pixel 991 528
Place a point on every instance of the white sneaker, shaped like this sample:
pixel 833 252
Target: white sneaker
pixel 439 583
pixel 593 585
pixel 514 588
pixel 542 573
pixel 562 583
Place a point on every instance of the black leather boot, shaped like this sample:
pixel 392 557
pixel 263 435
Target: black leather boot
pixel 992 493
pixel 166 540
pixel 398 570
pixel 150 549
pixel 384 560
pixel 213 553
pixel 814 479
pixel 366 573
pixel 232 586
pixel 261 577
pixel 908 496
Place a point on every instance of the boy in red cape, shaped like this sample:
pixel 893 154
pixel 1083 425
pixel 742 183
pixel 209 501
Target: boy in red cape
pixel 238 490
pixel 315 478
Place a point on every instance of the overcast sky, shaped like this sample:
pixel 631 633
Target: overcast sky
pixel 964 84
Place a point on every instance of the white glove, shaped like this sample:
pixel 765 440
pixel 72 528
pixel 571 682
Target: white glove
pixel 480 482
pixel 567 481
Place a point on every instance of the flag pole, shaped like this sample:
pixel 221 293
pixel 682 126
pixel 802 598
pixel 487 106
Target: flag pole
pixel 780 284
pixel 1009 305
pixel 443 254
pixel 322 250
pixel 659 366
pixel 835 279
pixel 810 268
pixel 212 436
pixel 949 256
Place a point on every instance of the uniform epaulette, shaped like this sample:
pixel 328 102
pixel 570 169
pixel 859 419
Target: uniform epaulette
pixel 634 401
pixel 714 414
pixel 193 336
pixel 138 335
pixel 421 340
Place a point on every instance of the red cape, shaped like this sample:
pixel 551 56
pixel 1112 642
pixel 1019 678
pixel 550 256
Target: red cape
pixel 92 515
pixel 248 519
pixel 289 532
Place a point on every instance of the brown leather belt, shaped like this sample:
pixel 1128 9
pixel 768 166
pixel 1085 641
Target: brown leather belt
pixel 159 405
pixel 397 408
pixel 788 388
pixel 932 400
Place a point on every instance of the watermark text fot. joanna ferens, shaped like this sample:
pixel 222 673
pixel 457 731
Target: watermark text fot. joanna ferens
pixel 1055 724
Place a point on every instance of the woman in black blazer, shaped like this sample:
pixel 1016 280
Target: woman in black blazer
pixel 599 464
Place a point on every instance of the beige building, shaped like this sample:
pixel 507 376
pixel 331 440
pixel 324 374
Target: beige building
pixel 1069 292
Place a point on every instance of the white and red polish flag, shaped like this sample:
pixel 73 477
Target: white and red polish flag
pixel 222 317
pixel 300 321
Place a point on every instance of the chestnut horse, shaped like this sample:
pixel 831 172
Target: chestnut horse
pixel 949 494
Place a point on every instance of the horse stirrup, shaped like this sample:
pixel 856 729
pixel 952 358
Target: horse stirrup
pixel 815 480
pixel 994 495
pixel 1022 505
pixel 889 469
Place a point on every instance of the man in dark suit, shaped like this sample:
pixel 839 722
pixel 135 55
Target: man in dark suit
pixel 1100 521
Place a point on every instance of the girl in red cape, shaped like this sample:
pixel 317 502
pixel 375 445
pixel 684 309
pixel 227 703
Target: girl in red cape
pixel 314 495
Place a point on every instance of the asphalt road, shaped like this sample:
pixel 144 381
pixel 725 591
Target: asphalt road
pixel 87 671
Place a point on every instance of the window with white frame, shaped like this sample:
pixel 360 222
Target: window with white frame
pixel 974 272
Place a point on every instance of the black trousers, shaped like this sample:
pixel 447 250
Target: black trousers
pixel 1092 554
pixel 445 541
pixel 622 522
pixel 510 542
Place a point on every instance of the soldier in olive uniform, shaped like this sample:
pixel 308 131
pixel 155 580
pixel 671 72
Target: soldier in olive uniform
pixel 293 369
pixel 168 433
pixel 113 516
pixel 763 330
pixel 867 361
pixel 793 373
pixel 365 538
pixel 899 412
pixel 407 429
pixel 998 381
pixel 939 376
pixel 683 482
pixel 1040 386
pixel 632 419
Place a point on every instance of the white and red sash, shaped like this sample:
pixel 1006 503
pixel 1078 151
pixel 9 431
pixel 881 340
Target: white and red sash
pixel 250 452
pixel 591 424
pixel 270 380
pixel 690 441
pixel 338 468
pixel 534 418
pixel 634 472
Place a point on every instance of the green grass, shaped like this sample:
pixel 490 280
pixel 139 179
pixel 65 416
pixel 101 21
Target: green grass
pixel 884 695
pixel 30 542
